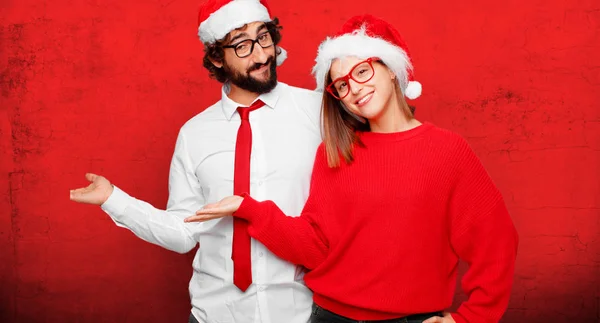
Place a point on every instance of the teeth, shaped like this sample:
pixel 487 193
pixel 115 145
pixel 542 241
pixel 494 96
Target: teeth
pixel 364 99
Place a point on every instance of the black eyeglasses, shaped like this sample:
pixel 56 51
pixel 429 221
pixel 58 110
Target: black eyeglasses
pixel 245 47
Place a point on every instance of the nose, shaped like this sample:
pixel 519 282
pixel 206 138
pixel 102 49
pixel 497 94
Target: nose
pixel 355 87
pixel 258 54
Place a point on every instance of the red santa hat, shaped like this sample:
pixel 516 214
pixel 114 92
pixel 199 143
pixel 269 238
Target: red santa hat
pixel 219 17
pixel 363 37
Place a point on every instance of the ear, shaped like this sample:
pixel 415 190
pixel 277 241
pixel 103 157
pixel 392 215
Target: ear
pixel 217 64
pixel 392 74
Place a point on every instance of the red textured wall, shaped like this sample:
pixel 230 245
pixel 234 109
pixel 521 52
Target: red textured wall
pixel 104 86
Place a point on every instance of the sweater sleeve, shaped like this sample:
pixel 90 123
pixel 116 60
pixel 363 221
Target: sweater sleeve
pixel 299 240
pixel 483 235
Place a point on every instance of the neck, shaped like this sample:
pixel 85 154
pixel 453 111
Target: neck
pixel 393 118
pixel 241 96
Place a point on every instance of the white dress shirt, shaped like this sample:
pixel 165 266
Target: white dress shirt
pixel 285 136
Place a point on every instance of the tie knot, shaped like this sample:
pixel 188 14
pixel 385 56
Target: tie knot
pixel 245 111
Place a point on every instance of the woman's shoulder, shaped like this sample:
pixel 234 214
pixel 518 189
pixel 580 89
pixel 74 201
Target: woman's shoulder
pixel 447 137
pixel 451 143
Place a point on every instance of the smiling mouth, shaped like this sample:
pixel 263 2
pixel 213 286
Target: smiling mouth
pixel 364 99
pixel 261 69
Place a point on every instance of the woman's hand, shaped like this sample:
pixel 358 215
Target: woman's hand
pixel 217 210
pixel 437 319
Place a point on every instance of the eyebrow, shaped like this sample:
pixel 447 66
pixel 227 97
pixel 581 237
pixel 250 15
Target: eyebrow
pixel 261 27
pixel 236 37
pixel 243 34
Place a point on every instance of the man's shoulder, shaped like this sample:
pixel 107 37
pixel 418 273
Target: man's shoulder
pixel 211 113
pixel 299 91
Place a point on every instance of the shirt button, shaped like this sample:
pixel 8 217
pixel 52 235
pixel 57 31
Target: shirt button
pixel 260 183
pixel 260 254
pixel 261 289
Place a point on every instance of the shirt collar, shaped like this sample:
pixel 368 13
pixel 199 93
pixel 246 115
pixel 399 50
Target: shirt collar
pixel 230 107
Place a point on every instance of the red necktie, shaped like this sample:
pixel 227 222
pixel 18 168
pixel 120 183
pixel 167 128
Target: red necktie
pixel 242 264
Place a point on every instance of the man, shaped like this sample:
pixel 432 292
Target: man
pixel 268 153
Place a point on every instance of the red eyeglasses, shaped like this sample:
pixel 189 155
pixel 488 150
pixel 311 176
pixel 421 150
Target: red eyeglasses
pixel 360 73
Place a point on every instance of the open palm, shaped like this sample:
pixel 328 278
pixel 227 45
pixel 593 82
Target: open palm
pixel 96 193
pixel 220 209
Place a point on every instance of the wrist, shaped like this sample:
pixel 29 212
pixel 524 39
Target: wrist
pixel 109 192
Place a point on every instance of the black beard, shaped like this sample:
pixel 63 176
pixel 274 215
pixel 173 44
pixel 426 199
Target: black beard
pixel 251 84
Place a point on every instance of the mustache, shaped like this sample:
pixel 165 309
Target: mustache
pixel 259 65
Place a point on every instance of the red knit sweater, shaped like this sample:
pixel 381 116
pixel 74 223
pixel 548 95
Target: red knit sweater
pixel 382 236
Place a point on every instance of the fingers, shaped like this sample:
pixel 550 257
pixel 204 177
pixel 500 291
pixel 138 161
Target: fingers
pixel 207 207
pixel 78 191
pixel 202 218
pixel 435 319
pixel 82 190
pixel 90 177
pixel 97 192
pixel 448 318
pixel 78 195
pixel 197 218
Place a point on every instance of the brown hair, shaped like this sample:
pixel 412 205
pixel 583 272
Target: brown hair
pixel 340 126
pixel 215 52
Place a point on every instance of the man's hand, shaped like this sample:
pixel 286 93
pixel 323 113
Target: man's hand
pixel 217 210
pixel 96 193
pixel 437 319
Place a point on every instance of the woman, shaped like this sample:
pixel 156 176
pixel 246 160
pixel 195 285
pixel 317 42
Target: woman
pixel 394 203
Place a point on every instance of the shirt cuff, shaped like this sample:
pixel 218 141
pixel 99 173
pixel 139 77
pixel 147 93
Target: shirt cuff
pixel 116 203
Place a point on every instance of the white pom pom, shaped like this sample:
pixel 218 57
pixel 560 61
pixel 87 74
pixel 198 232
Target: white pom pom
pixel 282 56
pixel 413 90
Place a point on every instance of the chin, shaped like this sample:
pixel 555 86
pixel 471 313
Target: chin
pixel 262 77
pixel 369 111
